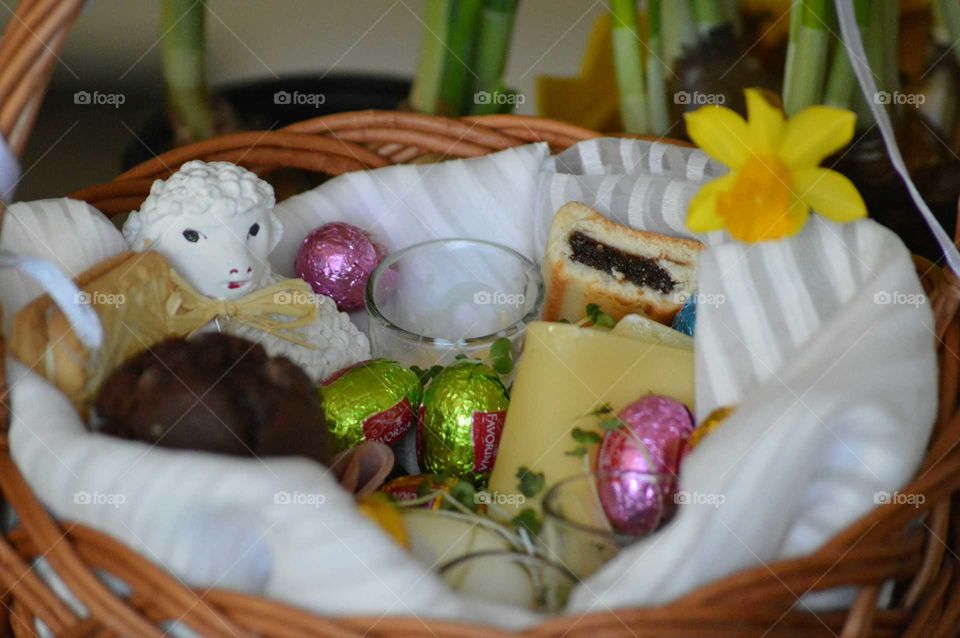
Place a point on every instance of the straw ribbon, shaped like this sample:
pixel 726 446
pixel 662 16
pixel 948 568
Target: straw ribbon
pixel 189 310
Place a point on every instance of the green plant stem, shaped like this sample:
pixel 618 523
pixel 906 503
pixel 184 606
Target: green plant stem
pixel 841 81
pixel 183 24
pixel 425 93
pixel 656 86
pixel 677 29
pixel 949 11
pixel 890 19
pixel 490 58
pixel 732 14
pixel 708 14
pixel 873 44
pixel 458 74
pixel 629 66
pixel 806 54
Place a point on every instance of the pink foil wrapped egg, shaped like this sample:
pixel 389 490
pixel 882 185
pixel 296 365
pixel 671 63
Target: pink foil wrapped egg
pixel 336 259
pixel 636 502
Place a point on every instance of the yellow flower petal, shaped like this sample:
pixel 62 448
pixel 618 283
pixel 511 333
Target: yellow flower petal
pixel 721 133
pixel 829 193
pixel 702 216
pixel 765 121
pixel 814 134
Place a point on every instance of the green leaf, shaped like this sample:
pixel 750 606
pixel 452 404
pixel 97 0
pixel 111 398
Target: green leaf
pixel 531 483
pixel 424 487
pixel 599 318
pixel 501 347
pixel 585 436
pixel 603 408
pixel 613 423
pixel 579 452
pixel 464 493
pixel 604 320
pixel 529 519
pixel 426 375
pixel 502 365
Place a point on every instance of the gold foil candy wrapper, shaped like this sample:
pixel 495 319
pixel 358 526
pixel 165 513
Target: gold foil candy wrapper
pixel 375 400
pixel 708 425
pixel 461 420
pixel 410 488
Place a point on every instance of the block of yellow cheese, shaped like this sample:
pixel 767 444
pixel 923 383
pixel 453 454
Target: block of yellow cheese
pixel 565 373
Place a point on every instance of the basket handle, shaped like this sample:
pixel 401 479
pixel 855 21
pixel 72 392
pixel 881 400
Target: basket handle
pixel 29 52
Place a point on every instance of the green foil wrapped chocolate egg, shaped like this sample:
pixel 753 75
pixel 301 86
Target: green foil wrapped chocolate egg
pixel 461 420
pixel 375 400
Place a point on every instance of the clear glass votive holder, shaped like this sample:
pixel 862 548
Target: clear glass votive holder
pixel 577 528
pixel 511 578
pixel 433 301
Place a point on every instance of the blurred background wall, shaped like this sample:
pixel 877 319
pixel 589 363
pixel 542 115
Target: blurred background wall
pixel 114 48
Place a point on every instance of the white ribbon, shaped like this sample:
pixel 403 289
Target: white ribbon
pixel 86 324
pixel 861 67
pixel 9 171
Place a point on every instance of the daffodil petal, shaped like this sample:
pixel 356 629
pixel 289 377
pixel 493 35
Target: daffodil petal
pixel 829 193
pixel 797 218
pixel 765 122
pixel 815 133
pixel 721 133
pixel 702 216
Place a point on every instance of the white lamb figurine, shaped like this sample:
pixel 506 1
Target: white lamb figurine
pixel 214 223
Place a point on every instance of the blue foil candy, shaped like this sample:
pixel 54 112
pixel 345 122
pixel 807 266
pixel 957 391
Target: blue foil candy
pixel 685 321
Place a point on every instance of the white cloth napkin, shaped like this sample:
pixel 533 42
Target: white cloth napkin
pixel 835 390
pixel 9 171
pixel 489 197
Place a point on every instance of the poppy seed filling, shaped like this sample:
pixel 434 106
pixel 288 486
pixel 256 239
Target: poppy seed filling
pixel 639 270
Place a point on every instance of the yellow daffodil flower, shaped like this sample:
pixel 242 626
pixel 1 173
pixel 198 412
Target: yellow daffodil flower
pixel 775 177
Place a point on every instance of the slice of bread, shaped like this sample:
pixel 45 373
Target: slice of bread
pixel 129 292
pixel 591 259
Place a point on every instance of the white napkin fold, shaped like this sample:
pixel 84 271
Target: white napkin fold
pixel 9 171
pixel 489 197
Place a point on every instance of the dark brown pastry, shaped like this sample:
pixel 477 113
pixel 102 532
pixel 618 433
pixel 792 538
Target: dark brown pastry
pixel 214 393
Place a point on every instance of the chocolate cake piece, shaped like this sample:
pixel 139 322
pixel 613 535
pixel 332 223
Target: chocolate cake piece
pixel 592 260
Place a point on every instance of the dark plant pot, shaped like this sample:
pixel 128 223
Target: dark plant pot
pixel 263 104
pixel 868 166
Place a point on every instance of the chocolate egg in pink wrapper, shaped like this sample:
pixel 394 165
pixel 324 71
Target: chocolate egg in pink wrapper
pixel 336 259
pixel 646 451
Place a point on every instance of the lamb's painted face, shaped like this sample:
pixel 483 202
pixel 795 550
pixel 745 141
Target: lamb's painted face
pixel 221 256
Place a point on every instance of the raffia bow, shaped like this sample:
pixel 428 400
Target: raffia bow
pixel 189 310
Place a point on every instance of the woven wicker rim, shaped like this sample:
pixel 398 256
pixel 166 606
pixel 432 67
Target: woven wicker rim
pixel 886 544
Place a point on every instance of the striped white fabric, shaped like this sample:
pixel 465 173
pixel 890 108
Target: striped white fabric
pixel 488 197
pixel 824 342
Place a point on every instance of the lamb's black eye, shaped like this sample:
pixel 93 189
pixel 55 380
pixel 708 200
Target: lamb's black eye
pixel 254 230
pixel 191 235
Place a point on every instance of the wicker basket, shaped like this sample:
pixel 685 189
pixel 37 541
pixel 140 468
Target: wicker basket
pixel 885 545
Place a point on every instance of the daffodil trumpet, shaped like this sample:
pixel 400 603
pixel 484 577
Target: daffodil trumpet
pixel 775 177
